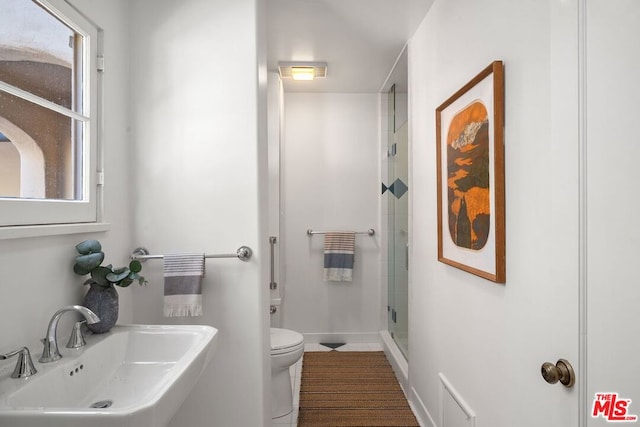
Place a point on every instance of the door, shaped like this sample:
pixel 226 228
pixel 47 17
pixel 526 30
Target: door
pixel 398 209
pixel 608 292
pixel 399 240
pixel 605 91
pixel 612 205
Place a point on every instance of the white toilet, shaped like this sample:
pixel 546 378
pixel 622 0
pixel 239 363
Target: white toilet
pixel 286 349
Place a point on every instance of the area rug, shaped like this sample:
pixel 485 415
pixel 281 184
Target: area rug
pixel 351 388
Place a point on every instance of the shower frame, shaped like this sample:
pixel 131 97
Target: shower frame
pixel 395 204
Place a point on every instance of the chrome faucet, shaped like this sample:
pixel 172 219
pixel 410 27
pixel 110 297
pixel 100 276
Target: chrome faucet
pixel 50 352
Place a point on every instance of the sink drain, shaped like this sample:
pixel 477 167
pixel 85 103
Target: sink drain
pixel 102 404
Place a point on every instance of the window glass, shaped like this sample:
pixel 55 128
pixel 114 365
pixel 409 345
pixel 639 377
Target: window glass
pixel 44 140
pixel 9 168
pixel 48 137
pixel 38 52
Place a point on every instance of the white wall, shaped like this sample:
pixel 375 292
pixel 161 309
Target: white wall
pixel 486 338
pixel 37 276
pixel 199 132
pixel 330 181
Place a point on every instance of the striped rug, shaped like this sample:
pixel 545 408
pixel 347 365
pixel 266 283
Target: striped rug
pixel 351 388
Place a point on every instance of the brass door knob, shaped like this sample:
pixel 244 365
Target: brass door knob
pixel 562 371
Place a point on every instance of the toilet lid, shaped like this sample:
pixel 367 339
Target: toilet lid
pixel 285 338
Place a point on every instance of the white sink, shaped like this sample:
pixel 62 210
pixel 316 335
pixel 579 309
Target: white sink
pixel 144 372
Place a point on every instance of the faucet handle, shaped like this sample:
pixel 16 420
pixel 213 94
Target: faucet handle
pixel 50 352
pixel 76 340
pixel 24 367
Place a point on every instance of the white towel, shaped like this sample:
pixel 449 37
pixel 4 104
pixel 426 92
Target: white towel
pixel 183 273
pixel 339 248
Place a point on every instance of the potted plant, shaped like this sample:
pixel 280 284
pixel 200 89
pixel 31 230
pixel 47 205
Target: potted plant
pixel 102 297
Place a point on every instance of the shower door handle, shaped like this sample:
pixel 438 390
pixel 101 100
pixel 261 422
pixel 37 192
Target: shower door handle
pixel 406 257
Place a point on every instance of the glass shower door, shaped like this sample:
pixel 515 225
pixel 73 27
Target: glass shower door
pixel 398 220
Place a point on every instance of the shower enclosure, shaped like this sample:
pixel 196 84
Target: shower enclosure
pixel 397 188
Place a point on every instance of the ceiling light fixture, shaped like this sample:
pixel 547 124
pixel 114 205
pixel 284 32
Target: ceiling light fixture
pixel 302 70
pixel 303 73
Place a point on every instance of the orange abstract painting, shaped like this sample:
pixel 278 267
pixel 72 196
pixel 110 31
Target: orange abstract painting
pixel 468 177
pixel 470 170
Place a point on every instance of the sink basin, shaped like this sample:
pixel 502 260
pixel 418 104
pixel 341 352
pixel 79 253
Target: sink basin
pixel 134 376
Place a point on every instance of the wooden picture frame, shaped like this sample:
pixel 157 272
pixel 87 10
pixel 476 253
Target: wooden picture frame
pixel 470 167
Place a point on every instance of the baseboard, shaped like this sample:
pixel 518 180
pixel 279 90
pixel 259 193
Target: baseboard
pixel 401 369
pixel 345 337
pixel 420 410
pixel 397 360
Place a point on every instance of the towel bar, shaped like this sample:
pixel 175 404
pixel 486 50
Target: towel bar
pixel 370 232
pixel 243 254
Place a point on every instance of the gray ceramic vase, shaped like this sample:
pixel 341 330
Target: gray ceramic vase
pixel 104 303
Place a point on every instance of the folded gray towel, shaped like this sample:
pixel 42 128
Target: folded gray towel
pixel 339 250
pixel 183 273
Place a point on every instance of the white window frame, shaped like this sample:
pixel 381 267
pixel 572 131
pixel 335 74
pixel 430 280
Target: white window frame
pixel 33 217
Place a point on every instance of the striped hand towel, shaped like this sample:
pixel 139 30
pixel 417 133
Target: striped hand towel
pixel 338 256
pixel 183 273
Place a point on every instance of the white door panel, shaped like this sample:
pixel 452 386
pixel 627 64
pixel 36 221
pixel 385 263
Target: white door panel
pixel 613 202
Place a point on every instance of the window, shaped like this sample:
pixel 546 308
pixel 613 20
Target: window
pixel 48 114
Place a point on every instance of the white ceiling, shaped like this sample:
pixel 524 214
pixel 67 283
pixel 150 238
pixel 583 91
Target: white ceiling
pixel 359 39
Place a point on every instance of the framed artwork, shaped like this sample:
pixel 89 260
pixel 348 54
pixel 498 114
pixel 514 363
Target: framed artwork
pixel 470 167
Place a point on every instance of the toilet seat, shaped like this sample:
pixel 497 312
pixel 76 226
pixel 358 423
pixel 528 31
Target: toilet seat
pixel 285 341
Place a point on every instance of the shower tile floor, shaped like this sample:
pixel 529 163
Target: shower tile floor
pixel 296 370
